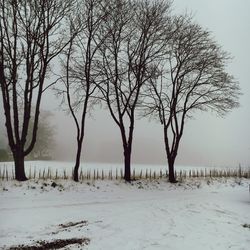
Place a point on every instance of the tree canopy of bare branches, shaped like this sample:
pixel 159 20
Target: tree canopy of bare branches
pixel 29 40
pixel 191 77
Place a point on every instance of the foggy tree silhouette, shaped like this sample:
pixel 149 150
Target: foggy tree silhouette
pixel 136 30
pixel 29 41
pixel 80 76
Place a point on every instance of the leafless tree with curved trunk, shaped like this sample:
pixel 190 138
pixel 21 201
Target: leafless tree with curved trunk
pixel 29 41
pixel 136 33
pixel 192 77
pixel 80 77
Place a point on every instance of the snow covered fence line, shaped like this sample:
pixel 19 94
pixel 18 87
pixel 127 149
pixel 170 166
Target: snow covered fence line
pixel 7 173
pixel 215 173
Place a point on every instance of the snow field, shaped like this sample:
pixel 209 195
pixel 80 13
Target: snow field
pixel 195 214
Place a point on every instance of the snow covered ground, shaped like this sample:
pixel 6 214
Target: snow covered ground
pixel 113 215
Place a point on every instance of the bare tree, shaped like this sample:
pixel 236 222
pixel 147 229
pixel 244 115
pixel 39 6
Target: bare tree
pixel 80 77
pixel 136 31
pixel 192 77
pixel 29 40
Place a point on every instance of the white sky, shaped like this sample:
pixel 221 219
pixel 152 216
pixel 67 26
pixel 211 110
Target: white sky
pixel 208 140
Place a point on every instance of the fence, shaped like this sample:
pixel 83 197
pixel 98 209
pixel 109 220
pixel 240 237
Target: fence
pixel 7 173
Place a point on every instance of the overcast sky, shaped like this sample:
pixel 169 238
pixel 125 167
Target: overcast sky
pixel 208 140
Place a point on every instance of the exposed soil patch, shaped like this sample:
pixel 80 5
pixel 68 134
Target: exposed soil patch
pixel 69 226
pixel 246 225
pixel 56 244
pixel 73 224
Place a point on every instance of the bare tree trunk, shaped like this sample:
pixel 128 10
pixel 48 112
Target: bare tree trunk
pixel 18 156
pixel 77 162
pixel 171 177
pixel 127 164
pixel 171 155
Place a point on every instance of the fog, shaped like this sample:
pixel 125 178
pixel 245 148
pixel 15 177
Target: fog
pixel 208 139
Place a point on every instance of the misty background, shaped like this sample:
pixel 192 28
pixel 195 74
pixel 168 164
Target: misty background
pixel 208 140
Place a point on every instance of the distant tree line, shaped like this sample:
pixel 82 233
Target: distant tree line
pixel 45 144
pixel 135 57
pixel 4 155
